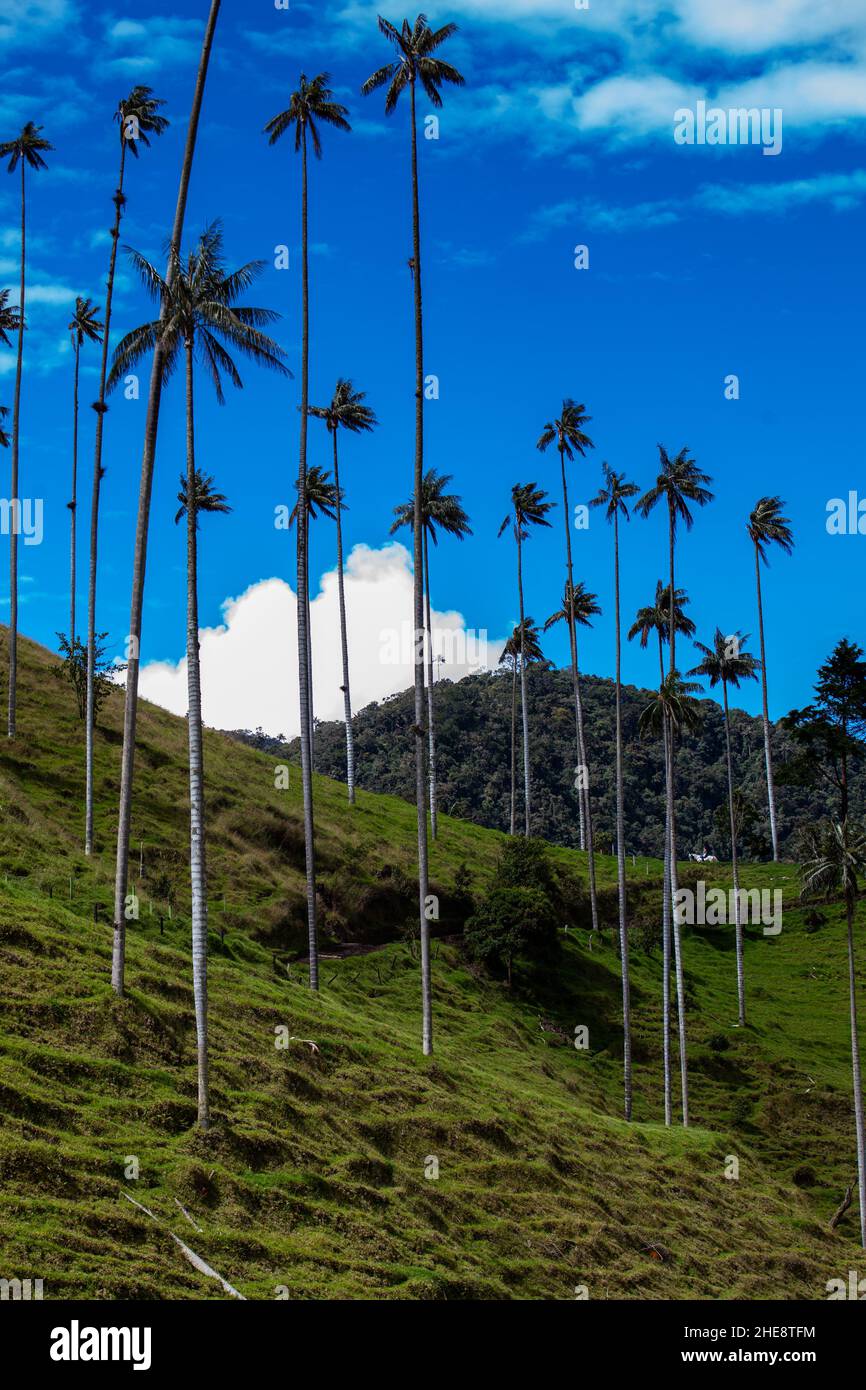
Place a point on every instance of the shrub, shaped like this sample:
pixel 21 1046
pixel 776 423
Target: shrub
pixel 517 917
pixel 510 922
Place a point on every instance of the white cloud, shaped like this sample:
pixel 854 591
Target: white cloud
pixel 151 44
pixel 249 663
pixel 842 191
pixel 35 22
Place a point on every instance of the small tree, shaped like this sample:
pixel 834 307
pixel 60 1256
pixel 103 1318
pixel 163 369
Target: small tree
pixel 830 735
pixel 73 671
pixel 517 916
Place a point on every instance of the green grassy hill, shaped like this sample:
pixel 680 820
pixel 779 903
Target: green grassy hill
pixel 313 1176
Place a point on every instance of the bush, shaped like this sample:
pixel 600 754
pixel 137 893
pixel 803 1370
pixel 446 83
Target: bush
pixel 517 916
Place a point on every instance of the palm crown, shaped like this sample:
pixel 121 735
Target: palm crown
pixel 346 410
pixel 311 103
pixel 321 495
pixel 200 308
pixel 438 508
pixel 615 494
pixel 84 324
pixel 528 642
pixel 767 526
pixel 204 496
pixel 10 318
pixel 679 483
pixel 28 146
pixel 578 604
pixel 726 660
pixel 835 857
pixel 529 509
pixel 142 107
pixel 567 431
pixel 656 617
pixel 4 437
pixel 674 703
pixel 415 45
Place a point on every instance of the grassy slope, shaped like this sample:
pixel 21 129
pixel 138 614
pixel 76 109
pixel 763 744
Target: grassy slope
pixel 313 1176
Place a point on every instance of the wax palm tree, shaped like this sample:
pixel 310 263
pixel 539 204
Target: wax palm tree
pixel 23 152
pixel 445 511
pixel 655 617
pixel 578 606
pixel 614 497
pixel 568 433
pixel 529 509
pixel 312 104
pixel 346 411
pixel 523 645
pixel 767 526
pixel 83 327
pixel 151 425
pixel 679 483
pixel 726 664
pixel 201 318
pixel 322 498
pixel 672 710
pixel 197 496
pixel 835 859
pixel 137 118
pixel 415 63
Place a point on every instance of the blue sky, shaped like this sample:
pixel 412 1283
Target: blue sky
pixel 704 261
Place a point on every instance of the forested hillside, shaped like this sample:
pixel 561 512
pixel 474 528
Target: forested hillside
pixel 473 720
pixel 316 1177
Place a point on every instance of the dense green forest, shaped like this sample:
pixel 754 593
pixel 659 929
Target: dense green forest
pixel 473 718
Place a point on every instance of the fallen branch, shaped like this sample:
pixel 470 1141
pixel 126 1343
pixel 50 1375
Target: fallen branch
pixel 842 1207
pixel 195 1260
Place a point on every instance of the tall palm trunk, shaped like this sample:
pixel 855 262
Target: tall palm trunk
pixel 130 711
pixel 584 799
pixel 738 928
pixel 671 835
pixel 101 408
pixel 678 955
pixel 855 1066
pixel 418 604
pixel 14 499
pixel 304 672
pixel 620 847
pixel 768 755
pixel 667 909
pixel 524 707
pixel 74 500
pixel 344 640
pixel 666 974
pixel 197 860
pixel 310 659
pixel 431 732
pixel 513 742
